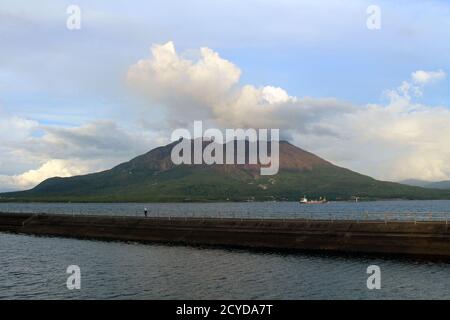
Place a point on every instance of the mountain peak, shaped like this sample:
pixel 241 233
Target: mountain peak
pixel 291 157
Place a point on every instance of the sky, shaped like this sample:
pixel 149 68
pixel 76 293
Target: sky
pixel 74 101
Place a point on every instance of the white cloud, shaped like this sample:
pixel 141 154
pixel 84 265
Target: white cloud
pixel 398 140
pixel 14 129
pixel 425 77
pixel 51 168
pixel 169 79
pixel 93 140
pixel 274 95
pixel 415 86
pixel 31 153
pixel 209 89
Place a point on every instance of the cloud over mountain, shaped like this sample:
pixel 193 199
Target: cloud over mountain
pixel 396 140
pixel 312 69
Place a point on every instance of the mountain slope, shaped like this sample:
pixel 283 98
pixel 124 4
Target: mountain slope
pixel 427 184
pixel 153 177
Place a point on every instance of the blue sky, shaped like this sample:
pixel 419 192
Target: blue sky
pixel 60 79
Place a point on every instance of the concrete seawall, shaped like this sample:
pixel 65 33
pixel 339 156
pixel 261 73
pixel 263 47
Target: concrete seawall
pixel 404 238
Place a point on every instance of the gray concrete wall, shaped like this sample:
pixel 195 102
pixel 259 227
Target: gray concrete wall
pixel 406 238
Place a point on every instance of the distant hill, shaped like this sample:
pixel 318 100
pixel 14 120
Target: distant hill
pixel 427 184
pixel 439 185
pixel 415 182
pixel 153 177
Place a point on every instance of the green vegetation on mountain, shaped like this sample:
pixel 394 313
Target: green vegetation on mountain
pixel 153 177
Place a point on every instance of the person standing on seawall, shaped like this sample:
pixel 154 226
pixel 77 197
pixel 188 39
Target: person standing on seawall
pixel 145 212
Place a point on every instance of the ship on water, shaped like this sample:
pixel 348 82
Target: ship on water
pixel 305 200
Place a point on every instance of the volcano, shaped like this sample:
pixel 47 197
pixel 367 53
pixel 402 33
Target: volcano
pixel 153 177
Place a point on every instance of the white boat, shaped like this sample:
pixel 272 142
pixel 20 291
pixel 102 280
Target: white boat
pixel 305 200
